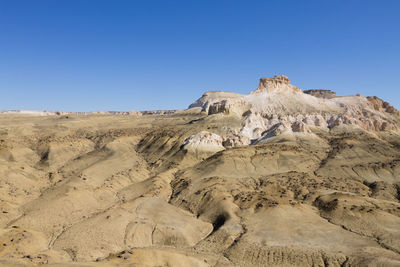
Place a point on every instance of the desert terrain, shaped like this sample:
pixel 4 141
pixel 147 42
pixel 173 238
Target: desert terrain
pixel 276 177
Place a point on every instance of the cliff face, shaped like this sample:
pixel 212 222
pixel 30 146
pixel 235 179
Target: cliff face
pixel 276 84
pixel 321 93
pixel 277 102
pixel 382 106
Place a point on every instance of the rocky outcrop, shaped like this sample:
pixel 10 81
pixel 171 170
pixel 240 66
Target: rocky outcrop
pixel 228 106
pixel 276 104
pixel 321 93
pixel 275 178
pixel 236 140
pixel 277 129
pixel 381 105
pixel 275 84
pixel 204 142
pixel 135 113
pixel 220 102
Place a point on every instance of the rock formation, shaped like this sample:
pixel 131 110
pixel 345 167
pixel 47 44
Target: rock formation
pixel 204 141
pixel 321 93
pixel 276 102
pixel 381 105
pixel 277 84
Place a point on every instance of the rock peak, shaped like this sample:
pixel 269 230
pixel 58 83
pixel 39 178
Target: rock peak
pixel 276 79
pixel 277 83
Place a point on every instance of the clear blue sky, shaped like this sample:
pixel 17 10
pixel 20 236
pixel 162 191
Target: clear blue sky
pixel 82 55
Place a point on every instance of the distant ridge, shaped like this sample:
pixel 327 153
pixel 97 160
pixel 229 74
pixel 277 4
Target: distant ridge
pixel 57 113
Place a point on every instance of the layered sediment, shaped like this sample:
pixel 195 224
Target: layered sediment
pixel 276 177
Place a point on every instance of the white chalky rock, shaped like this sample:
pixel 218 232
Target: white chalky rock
pixel 204 142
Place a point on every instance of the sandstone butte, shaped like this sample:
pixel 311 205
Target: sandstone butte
pixel 277 177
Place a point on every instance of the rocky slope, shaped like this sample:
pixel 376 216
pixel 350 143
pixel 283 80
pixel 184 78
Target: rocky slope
pixel 278 177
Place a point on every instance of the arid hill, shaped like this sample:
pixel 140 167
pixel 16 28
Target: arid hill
pixel 278 177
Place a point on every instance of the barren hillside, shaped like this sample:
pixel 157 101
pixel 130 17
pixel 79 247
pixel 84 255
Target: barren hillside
pixel 278 177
